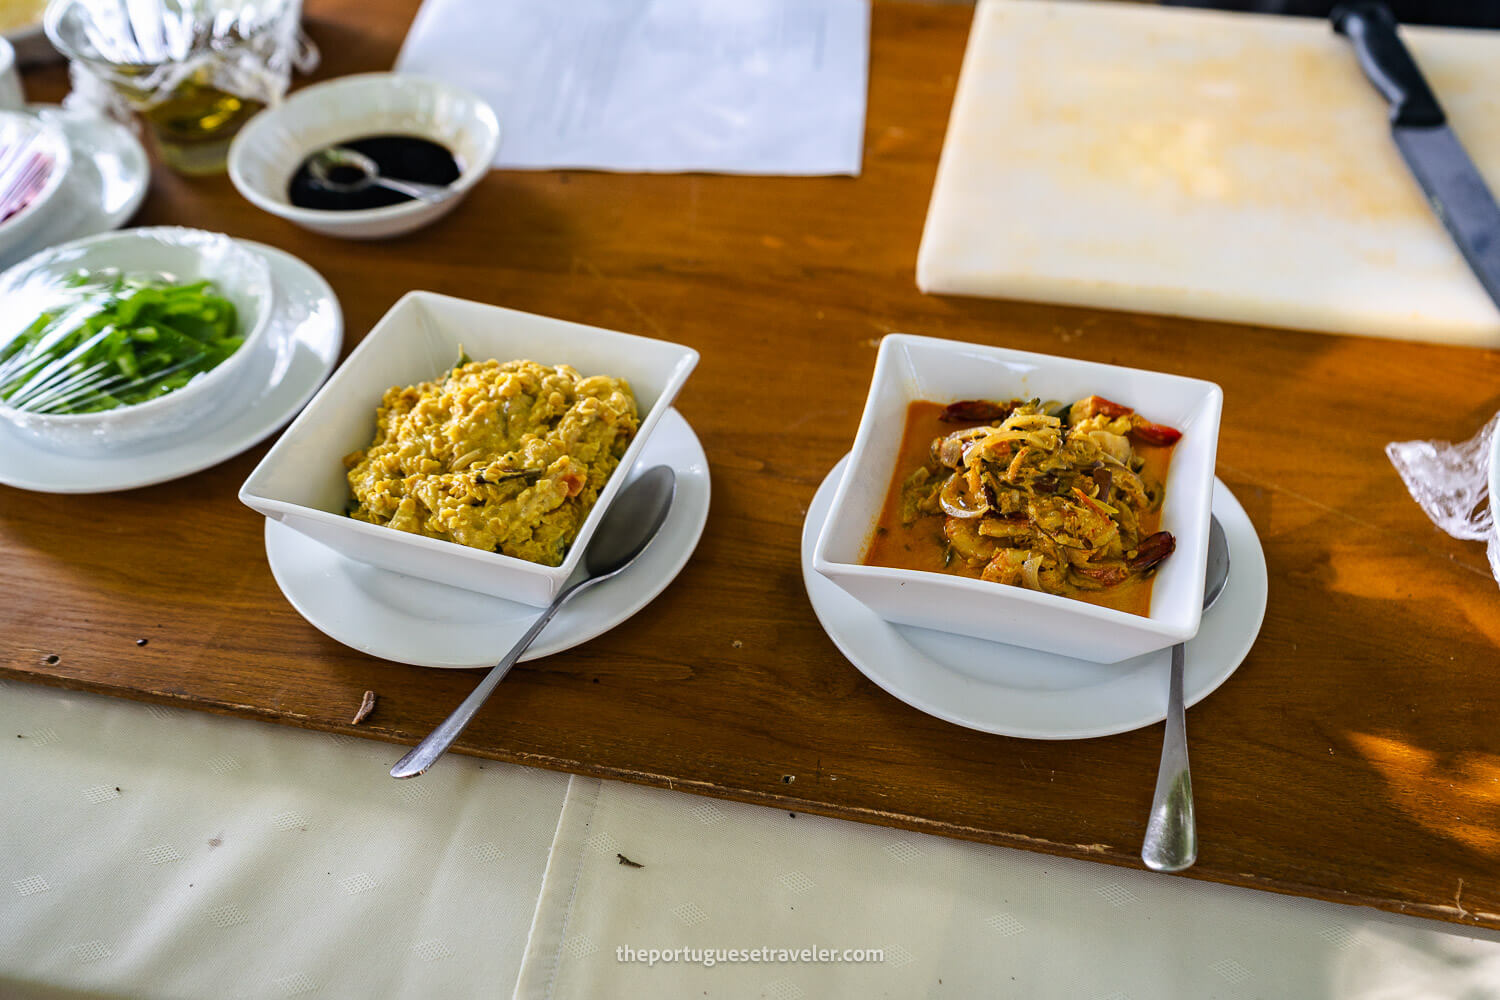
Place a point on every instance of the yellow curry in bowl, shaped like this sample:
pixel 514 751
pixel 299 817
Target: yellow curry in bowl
pixel 1063 499
pixel 507 457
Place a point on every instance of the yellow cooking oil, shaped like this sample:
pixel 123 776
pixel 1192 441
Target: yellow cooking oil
pixel 195 123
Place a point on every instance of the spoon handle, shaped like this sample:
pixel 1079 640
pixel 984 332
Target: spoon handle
pixel 426 753
pixel 1172 834
pixel 413 189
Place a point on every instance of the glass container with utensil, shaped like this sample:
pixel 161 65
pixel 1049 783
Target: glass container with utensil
pixel 195 70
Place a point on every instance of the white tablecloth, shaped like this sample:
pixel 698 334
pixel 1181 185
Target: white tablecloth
pixel 152 852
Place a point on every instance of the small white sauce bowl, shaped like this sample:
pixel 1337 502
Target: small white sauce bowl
pixel 273 144
pixel 46 140
pixel 242 277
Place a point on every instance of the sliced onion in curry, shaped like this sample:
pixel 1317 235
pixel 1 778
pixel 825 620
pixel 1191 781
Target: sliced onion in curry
pixel 1061 503
pixel 957 501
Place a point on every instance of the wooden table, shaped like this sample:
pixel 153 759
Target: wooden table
pixel 1354 757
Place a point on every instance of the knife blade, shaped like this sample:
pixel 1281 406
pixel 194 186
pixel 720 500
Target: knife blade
pixel 1454 188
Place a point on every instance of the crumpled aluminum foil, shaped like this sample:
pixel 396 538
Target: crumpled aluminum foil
pixel 1451 483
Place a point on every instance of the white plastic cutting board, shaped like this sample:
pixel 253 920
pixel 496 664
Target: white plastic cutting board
pixel 1226 166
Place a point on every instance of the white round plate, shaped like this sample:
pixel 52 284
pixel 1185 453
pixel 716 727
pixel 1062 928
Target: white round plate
pixel 105 184
pixel 299 350
pixel 401 618
pixel 1041 696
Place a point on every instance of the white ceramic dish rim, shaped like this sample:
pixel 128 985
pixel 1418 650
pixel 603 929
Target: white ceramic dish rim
pixel 1083 611
pixel 385 536
pixel 209 380
pixel 61 152
pixel 467 178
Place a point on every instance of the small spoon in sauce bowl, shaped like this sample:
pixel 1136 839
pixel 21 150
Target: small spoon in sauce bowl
pixel 344 171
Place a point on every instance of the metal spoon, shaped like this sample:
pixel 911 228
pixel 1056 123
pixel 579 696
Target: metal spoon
pixel 324 162
pixel 626 529
pixel 1172 834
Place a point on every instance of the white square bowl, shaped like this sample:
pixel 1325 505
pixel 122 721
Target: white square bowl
pixel 301 481
pixel 922 368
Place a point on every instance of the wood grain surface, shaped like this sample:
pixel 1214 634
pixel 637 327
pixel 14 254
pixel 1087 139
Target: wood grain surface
pixel 1355 756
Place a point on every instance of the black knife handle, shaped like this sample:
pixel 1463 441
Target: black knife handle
pixel 1371 27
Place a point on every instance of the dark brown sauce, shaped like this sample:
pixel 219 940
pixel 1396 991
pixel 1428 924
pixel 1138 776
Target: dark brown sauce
pixel 921 546
pixel 401 157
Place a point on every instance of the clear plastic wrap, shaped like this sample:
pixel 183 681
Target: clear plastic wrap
pixel 34 159
pixel 194 69
pixel 127 336
pixel 1454 484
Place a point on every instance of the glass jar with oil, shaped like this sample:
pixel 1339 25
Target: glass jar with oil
pixel 194 70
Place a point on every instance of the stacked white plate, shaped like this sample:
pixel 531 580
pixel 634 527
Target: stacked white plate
pixel 105 183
